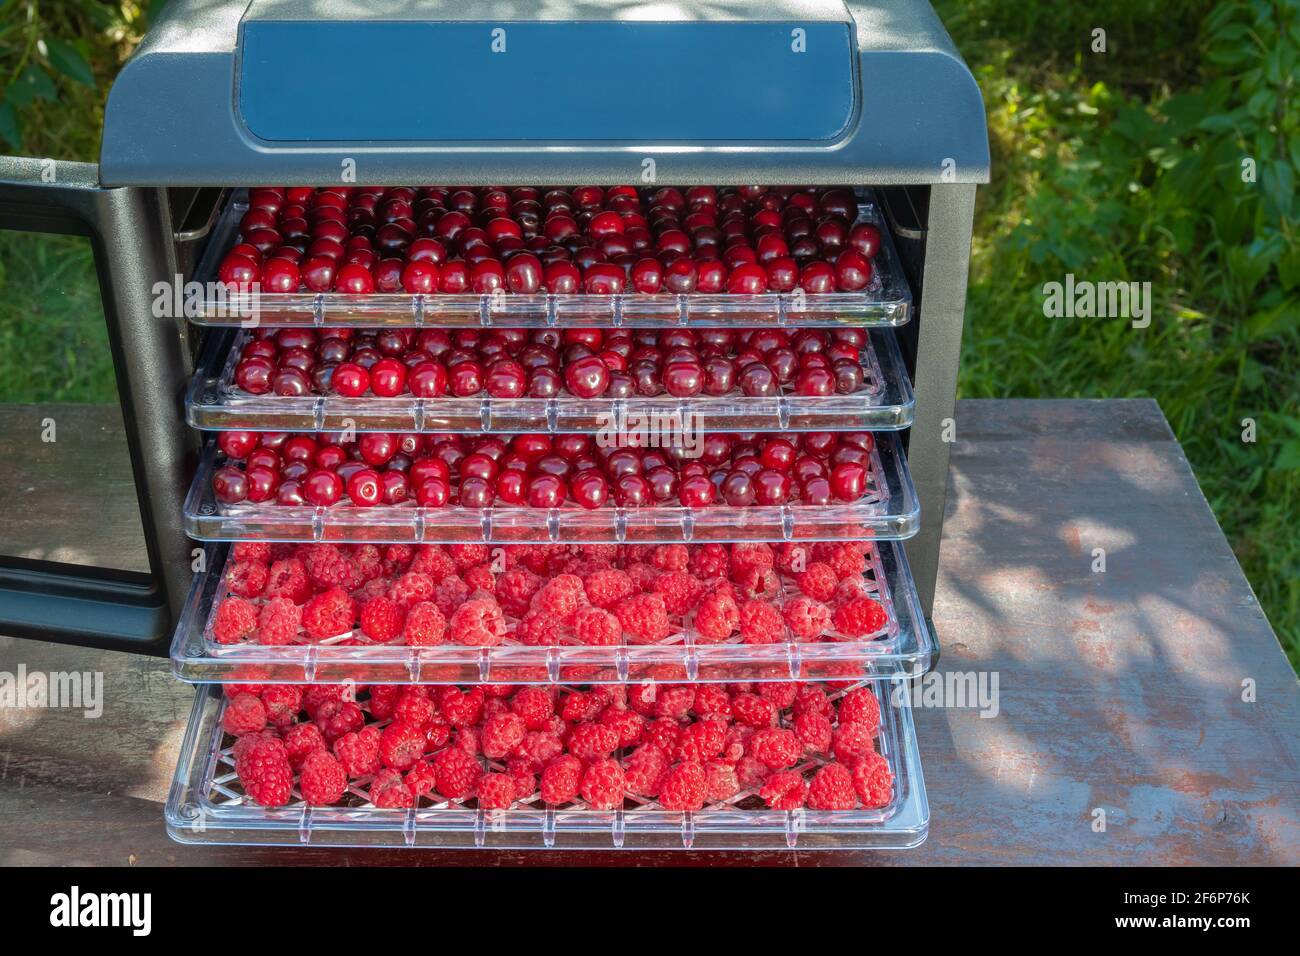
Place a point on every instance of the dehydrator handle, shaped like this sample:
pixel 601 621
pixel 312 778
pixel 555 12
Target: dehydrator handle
pixel 129 231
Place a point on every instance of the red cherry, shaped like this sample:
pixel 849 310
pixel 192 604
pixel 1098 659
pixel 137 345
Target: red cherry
pixel 432 493
pixel 229 485
pixel 237 444
pixel 366 488
pixel 748 278
pixel 737 489
pixel 350 380
pixel 476 492
pixel 487 276
pixel 772 487
pixel 254 375
pixel 603 278
pixel 562 278
pixel 420 276
pixel 605 224
pixel 280 275
pixel 454 279
pixel 696 491
pixel 647 275
pixel 589 489
pixel 756 379
pixel 465 379
pixel 506 378
pixel 427 380
pixel 816 491
pixel 587 377
pixel 546 491
pixel 376 448
pixel 322 488
pixel 817 278
pixel 511 486
pixel 397 488
pixel 683 379
pixel 524 273
pixel 865 239
pixel 387 378
pixel 632 491
pixel 852 271
pixel 291 382
pixel 814 381
pixel 353 278
pixel 262 484
pixel 848 481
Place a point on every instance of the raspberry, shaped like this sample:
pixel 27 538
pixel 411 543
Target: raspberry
pixel 421 779
pixel 645 769
pixel 535 705
pixel 383 700
pixel 389 791
pixel 458 773
pixel 701 741
pixel 860 617
pixel 478 623
pixel 413 706
pixel 711 700
pixel 359 752
pixel 784 790
pixel 592 741
pixel 369 561
pixel 791 558
pixel 314 696
pixel 258 551
pixel 607 588
pixel 814 732
pixel 603 784
pixel 560 597
pixel 851 741
pixel 561 780
pixel 401 745
pixel 235 620
pixel 300 741
pixel 537 749
pixel 596 628
pixel 244 714
pixel 832 789
pixel 745 557
pixel 461 708
pixel 850 589
pixel 339 717
pixel 278 622
pixel 818 581
pixel 539 629
pixel 737 741
pixel 468 555
pixel 670 557
pixel 382 619
pixel 776 748
pixel 716 618
pixel 644 618
pixel 752 710
pixel 481 578
pixel 710 561
pixel 806 617
pixel 720 781
pixel 684 787
pixel 411 588
pixel 425 625
pixel 873 781
pixel 780 693
pixel 812 699
pixel 467 739
pixel 680 591
pixel 328 567
pixel 861 706
pixel 502 733
pixel 674 701
pixel 264 772
pixel 247 578
pixel 642 576
pixel 288 578
pixel 515 589
pixel 760 623
pixel 847 561
pixel 496 791
pixel 323 780
pixel 758 584
pixel 663 733
pixel 751 772
pixel 627 724
pixel 432 562
pixel 282 703
pixel 329 614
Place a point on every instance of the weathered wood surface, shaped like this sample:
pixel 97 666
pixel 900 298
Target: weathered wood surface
pixel 1119 690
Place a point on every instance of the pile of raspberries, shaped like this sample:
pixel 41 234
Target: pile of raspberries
pixel 544 595
pixel 681 747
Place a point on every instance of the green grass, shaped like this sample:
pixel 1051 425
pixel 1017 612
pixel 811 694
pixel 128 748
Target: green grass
pixel 1123 165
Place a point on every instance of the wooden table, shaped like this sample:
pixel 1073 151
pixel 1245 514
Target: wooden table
pixel 1119 690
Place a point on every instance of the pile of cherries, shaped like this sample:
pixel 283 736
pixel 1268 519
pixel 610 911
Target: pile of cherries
pixel 540 471
pixel 601 241
pixel 551 363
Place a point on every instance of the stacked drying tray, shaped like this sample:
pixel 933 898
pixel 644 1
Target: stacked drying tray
pixel 459 593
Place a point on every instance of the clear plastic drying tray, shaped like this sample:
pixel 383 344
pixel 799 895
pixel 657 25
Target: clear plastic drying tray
pixel 902 646
pixel 216 402
pixel 887 301
pixel 207 805
pixel 889 510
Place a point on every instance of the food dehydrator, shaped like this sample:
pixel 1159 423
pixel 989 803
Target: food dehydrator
pixel 247 131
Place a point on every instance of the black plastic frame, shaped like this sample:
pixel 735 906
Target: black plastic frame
pixel 130 233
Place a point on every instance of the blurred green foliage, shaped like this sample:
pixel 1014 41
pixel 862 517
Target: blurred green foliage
pixel 1171 157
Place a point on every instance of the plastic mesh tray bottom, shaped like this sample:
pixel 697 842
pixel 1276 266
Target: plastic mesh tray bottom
pixel 902 646
pixel 207 805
